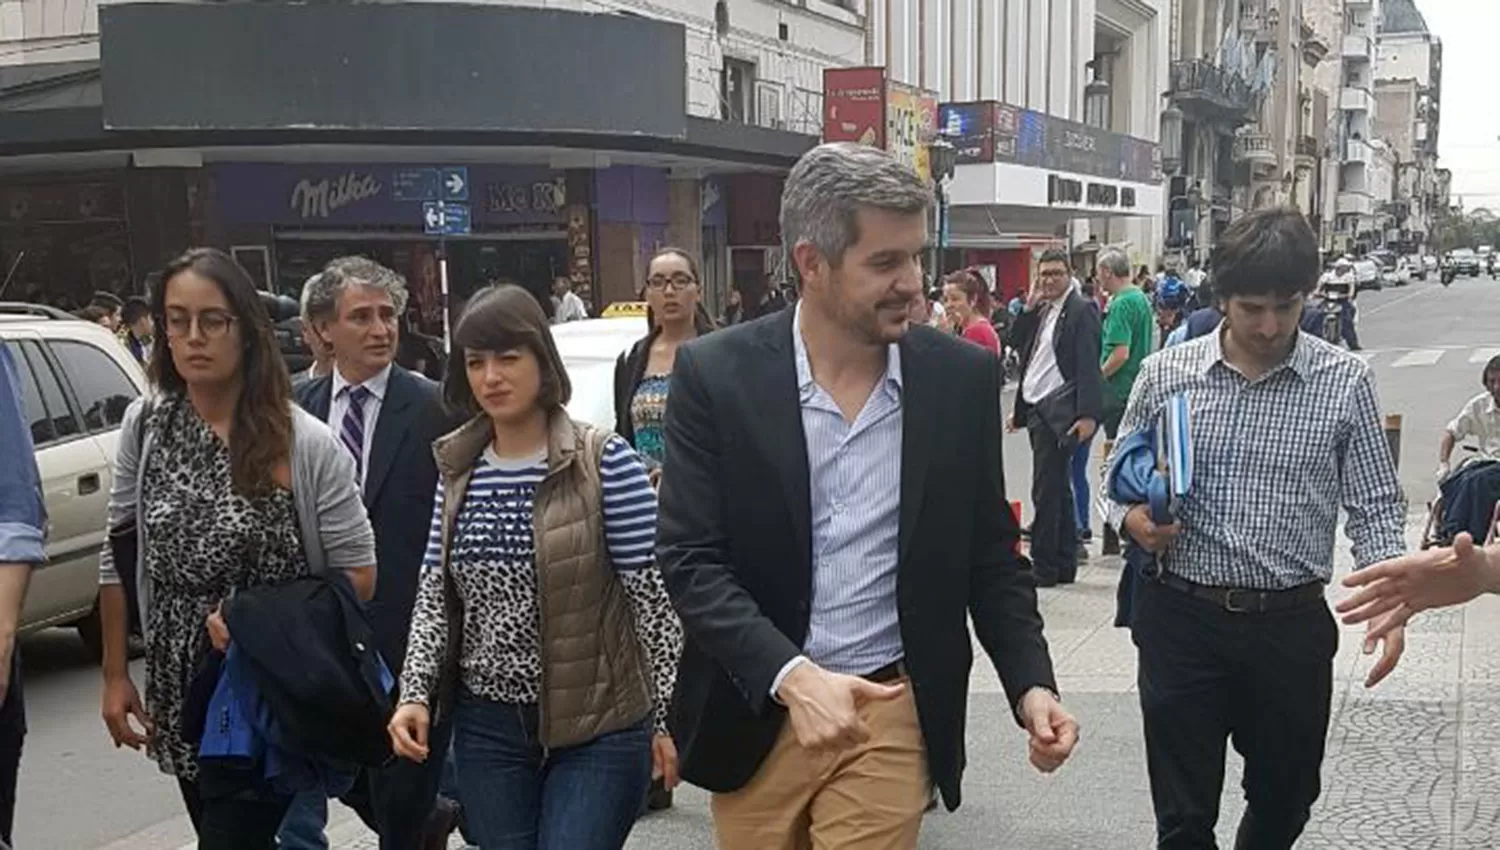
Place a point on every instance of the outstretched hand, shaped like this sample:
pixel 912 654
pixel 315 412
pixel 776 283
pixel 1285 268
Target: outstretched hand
pixel 1394 590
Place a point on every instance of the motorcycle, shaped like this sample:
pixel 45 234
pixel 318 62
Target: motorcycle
pixel 1449 273
pixel 1333 306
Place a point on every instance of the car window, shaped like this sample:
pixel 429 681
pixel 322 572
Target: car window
pixel 101 386
pixel 31 398
pixel 47 408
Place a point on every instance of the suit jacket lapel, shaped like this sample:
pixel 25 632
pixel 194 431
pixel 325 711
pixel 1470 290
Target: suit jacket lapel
pixel 919 406
pixel 390 429
pixel 778 427
pixel 320 397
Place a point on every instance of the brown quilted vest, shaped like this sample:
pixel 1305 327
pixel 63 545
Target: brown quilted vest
pixel 594 675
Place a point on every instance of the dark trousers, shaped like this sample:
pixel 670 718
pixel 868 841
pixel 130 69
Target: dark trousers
pixel 225 820
pixel 1208 676
pixel 395 801
pixel 12 736
pixel 518 795
pixel 1054 532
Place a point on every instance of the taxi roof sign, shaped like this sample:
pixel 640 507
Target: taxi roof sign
pixel 625 309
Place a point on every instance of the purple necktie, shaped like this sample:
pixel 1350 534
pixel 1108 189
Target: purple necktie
pixel 352 431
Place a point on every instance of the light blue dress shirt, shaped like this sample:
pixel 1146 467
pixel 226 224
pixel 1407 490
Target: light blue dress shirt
pixel 854 470
pixel 23 516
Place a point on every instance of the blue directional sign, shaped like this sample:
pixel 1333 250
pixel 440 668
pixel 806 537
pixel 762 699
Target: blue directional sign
pixel 454 183
pixel 445 219
pixel 414 184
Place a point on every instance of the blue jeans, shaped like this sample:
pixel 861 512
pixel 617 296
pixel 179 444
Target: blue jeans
pixel 1079 469
pixel 302 828
pixel 519 796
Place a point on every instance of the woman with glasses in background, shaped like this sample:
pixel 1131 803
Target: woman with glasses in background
pixel 220 484
pixel 643 375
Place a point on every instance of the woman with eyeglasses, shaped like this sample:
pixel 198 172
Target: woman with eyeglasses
pixel 221 484
pixel 675 316
pixel 542 625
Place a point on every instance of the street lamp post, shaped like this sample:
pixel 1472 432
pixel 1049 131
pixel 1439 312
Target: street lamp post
pixel 942 156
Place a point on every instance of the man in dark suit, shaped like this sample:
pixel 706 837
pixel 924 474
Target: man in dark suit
pixel 1059 403
pixel 832 511
pixel 387 417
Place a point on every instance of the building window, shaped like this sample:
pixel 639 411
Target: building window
pixel 737 91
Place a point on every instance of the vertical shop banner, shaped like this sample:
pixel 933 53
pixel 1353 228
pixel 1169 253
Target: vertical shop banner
pixel 910 125
pixel 854 106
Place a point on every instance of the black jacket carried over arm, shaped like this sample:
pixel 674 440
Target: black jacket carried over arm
pixel 313 654
pixel 734 542
pixel 1075 341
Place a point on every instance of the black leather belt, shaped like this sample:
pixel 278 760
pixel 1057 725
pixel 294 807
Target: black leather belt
pixel 1238 600
pixel 889 673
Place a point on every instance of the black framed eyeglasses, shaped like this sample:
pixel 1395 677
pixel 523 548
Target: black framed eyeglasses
pixel 659 283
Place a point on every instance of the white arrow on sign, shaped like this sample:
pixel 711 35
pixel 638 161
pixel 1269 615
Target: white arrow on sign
pixel 455 183
pixel 434 217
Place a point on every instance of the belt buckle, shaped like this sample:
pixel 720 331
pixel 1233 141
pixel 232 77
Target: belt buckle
pixel 1231 607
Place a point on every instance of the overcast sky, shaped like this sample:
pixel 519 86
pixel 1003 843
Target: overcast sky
pixel 1469 137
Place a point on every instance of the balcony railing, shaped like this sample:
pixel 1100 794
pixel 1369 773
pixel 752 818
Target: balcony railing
pixel 1358 46
pixel 1358 150
pixel 1200 86
pixel 1355 99
pixel 1254 147
pixel 1354 203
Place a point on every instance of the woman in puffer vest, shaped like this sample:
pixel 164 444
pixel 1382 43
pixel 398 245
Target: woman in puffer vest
pixel 542 626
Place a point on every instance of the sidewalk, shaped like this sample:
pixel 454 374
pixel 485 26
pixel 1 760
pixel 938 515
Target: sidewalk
pixel 1411 765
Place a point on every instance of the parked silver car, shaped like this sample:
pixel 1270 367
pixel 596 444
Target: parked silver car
pixel 76 381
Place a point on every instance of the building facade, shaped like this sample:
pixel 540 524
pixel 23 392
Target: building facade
pixel 1053 110
pixel 1358 217
pixel 1408 89
pixel 580 175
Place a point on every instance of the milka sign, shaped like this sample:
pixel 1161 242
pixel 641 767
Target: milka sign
pixel 319 199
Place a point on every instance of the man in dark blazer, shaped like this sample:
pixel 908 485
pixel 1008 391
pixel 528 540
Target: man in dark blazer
pixel 832 512
pixel 388 418
pixel 1059 403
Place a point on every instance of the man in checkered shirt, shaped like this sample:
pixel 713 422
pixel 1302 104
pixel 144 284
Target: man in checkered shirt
pixel 1235 639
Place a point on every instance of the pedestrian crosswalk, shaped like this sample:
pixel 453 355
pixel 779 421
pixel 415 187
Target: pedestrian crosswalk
pixel 1438 355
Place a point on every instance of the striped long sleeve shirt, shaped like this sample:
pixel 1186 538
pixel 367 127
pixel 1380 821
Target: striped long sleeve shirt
pixel 493 562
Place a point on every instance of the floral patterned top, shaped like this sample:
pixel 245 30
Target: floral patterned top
pixel 648 410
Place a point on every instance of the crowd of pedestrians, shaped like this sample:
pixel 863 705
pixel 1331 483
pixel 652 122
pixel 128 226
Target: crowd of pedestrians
pixel 763 582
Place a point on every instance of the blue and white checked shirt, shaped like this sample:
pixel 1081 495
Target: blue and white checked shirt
pixel 855 477
pixel 1273 461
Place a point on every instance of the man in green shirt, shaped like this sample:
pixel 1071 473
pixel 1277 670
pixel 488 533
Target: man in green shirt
pixel 1129 328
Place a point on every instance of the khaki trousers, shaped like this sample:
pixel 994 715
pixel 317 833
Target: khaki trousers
pixel 871 797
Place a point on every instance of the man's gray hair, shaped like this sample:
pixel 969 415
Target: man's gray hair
pixel 828 186
pixel 320 295
pixel 308 289
pixel 1116 262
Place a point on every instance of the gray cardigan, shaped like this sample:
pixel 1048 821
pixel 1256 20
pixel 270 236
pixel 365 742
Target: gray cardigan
pixel 336 532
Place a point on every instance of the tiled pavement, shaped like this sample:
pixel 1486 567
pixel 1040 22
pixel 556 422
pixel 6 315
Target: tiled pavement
pixel 1412 765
